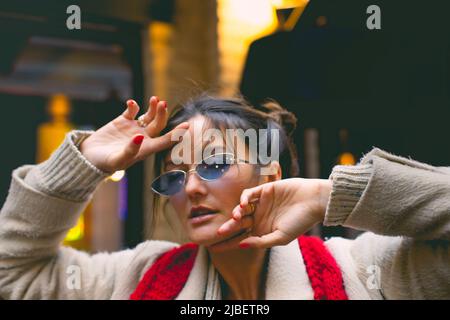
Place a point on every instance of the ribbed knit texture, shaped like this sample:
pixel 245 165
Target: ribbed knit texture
pixel 168 275
pixel 404 210
pixel 67 173
pixel 349 182
pixel 323 271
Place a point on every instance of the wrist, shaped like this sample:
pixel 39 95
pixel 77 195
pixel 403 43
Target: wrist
pixel 324 193
pixel 82 148
pixel 86 151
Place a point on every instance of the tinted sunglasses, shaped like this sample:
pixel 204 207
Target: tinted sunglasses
pixel 210 169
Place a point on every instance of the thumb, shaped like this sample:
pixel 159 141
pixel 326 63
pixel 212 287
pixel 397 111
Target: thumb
pixel 167 140
pixel 124 157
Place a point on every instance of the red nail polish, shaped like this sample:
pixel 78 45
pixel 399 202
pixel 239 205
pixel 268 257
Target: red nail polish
pixel 240 205
pixel 138 139
pixel 244 245
pixel 165 105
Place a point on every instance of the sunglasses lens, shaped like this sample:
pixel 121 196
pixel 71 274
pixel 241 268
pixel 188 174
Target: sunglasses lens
pixel 169 183
pixel 214 167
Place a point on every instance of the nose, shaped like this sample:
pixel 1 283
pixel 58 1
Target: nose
pixel 194 186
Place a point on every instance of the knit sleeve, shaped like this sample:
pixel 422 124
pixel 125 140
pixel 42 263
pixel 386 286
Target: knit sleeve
pixel 400 197
pixel 44 201
pixel 405 207
pixel 348 184
pixel 67 173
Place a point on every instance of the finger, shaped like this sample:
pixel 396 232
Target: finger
pixel 233 226
pixel 127 155
pixel 151 111
pixel 251 195
pixel 244 207
pixel 231 243
pixel 237 213
pixel 132 110
pixel 275 238
pixel 159 121
pixel 241 211
pixel 261 196
pixel 166 141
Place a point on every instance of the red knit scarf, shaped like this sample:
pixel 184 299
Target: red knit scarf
pixel 168 275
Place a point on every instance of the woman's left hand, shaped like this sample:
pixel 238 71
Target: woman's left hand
pixel 283 210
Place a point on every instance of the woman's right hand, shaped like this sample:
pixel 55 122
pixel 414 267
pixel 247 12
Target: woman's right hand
pixel 122 142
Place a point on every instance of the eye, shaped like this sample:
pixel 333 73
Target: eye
pixel 212 171
pixel 215 166
pixel 222 158
pixel 169 183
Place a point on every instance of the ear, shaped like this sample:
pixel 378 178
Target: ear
pixel 272 172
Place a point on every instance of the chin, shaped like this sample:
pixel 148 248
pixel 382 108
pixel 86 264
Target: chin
pixel 204 235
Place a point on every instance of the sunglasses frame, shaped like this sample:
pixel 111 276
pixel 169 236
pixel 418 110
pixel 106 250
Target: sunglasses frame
pixel 186 173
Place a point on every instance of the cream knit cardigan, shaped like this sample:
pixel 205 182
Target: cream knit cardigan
pixel 403 205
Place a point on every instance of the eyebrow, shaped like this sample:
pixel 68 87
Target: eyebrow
pixel 205 143
pixel 168 163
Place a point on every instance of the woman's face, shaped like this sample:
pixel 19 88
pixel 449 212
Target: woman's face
pixel 220 196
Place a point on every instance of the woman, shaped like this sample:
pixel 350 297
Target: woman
pixel 232 213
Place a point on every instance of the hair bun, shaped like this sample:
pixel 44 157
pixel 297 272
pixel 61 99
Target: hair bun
pixel 284 118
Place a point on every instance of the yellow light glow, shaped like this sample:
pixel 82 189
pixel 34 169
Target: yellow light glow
pixel 51 134
pixel 346 159
pixel 250 19
pixel 287 4
pixel 240 23
pixel 117 176
pixel 59 107
pixel 77 232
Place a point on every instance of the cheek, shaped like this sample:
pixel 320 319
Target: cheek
pixel 223 193
pixel 227 190
pixel 178 202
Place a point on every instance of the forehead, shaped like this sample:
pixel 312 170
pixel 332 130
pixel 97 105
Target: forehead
pixel 202 136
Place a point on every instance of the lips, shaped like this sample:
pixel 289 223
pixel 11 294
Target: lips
pixel 201 211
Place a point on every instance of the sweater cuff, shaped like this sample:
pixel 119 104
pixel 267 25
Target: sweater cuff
pixel 67 173
pixel 349 183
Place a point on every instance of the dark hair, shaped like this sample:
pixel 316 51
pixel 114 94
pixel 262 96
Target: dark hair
pixel 237 113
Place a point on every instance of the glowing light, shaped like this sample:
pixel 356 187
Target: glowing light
pixel 240 23
pixel 250 19
pixel 117 176
pixel 287 4
pixel 59 106
pixel 346 159
pixel 77 232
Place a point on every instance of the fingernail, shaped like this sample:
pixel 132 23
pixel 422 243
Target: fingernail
pixel 244 245
pixel 234 218
pixel 165 104
pixel 219 231
pixel 157 98
pixel 138 139
pixel 240 205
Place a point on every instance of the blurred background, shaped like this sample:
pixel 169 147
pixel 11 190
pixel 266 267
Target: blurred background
pixel 351 88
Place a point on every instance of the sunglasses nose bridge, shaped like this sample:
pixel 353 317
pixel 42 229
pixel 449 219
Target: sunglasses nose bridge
pixel 193 170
